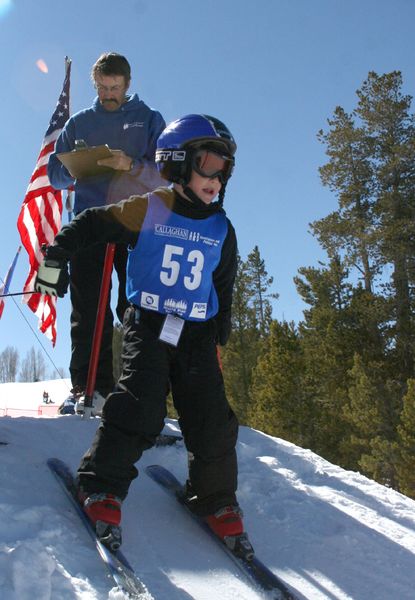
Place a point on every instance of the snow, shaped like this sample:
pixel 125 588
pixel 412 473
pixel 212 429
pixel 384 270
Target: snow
pixel 329 533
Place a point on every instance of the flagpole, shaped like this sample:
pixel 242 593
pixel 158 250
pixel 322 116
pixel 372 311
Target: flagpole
pixel 4 288
pixel 69 193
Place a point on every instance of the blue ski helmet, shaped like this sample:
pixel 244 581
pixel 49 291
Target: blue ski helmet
pixel 179 140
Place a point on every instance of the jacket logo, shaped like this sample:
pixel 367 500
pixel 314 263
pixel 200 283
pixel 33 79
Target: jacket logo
pixel 135 124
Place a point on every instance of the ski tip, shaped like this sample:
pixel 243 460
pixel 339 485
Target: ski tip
pixel 157 472
pixel 151 470
pixel 54 462
pixel 167 439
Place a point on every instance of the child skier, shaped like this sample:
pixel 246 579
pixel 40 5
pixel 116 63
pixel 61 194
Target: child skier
pixel 180 276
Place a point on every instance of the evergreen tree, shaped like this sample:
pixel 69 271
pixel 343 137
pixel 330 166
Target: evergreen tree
pixel 385 111
pixel 259 284
pixel 280 406
pixel 251 319
pixel 334 329
pixel 327 341
pixel 406 436
pixel 363 412
pixel 240 354
pixel 381 463
pixel 371 168
pixel 349 230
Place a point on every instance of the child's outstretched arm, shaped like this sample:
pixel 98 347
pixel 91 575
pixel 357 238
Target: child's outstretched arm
pixel 103 224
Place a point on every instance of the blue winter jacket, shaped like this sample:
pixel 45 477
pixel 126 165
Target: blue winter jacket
pixel 133 128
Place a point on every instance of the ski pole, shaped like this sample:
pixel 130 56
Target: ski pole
pixel 16 294
pixel 99 326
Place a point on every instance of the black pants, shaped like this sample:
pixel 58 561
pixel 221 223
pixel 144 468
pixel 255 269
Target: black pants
pixel 134 413
pixel 86 270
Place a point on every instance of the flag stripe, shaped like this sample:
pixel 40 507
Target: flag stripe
pixel 40 216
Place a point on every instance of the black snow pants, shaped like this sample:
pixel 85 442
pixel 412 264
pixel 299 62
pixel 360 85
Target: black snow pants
pixel 86 270
pixel 134 413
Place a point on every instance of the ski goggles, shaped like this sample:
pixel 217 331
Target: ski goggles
pixel 208 163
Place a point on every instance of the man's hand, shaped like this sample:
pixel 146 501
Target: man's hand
pixel 52 277
pixel 119 161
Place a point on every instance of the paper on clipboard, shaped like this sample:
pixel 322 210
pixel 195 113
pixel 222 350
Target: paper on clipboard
pixel 83 162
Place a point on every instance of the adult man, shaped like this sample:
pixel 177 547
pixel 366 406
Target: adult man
pixel 130 129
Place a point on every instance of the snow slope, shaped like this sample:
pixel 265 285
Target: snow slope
pixel 329 533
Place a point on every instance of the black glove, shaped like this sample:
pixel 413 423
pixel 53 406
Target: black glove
pixel 223 329
pixel 52 277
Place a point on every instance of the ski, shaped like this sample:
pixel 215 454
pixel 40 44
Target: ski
pixel 252 567
pixel 167 439
pixel 117 565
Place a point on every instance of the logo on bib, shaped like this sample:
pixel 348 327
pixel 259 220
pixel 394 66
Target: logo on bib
pixel 171 231
pixel 198 310
pixel 178 307
pixel 149 301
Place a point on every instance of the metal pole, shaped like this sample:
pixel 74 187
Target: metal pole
pixel 99 325
pixel 16 294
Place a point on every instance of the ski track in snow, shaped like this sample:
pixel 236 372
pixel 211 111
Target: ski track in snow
pixel 329 533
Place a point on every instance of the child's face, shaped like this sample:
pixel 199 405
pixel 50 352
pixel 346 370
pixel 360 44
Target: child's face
pixel 205 188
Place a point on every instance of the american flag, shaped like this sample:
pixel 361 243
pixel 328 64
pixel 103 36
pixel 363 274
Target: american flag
pixel 40 216
pixel 5 285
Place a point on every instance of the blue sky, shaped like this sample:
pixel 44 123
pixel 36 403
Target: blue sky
pixel 272 70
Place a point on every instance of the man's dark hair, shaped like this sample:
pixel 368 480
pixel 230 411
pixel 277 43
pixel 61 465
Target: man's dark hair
pixel 112 63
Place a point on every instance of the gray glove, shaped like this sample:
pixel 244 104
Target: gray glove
pixel 52 277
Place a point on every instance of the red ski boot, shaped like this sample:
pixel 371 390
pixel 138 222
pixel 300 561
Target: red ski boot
pixel 104 511
pixel 226 521
pixel 227 524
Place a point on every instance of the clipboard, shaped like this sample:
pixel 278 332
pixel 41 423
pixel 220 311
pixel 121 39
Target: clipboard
pixel 83 161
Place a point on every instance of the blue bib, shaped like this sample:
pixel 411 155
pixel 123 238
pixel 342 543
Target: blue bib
pixel 170 268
